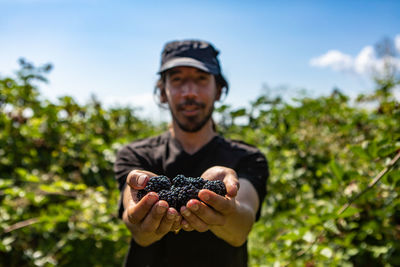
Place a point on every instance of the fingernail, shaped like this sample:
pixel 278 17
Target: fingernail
pixel 186 212
pixel 194 207
pixel 170 215
pixel 161 209
pixel 151 196
pixel 142 179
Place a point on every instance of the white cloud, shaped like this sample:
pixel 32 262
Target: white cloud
pixel 397 42
pixel 366 62
pixel 334 59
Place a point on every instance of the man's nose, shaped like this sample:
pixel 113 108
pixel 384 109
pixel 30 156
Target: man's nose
pixel 189 88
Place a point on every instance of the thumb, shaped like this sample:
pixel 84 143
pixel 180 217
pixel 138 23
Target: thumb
pixel 137 179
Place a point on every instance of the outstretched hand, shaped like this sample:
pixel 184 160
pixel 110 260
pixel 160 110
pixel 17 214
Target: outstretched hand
pixel 213 209
pixel 150 218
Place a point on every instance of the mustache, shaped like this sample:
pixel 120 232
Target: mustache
pixel 190 102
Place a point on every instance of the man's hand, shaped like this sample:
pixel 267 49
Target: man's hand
pixel 230 217
pixel 215 208
pixel 226 175
pixel 150 218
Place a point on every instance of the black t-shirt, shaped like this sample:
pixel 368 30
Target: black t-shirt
pixel 164 155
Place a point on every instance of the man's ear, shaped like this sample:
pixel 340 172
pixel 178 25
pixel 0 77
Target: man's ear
pixel 163 96
pixel 219 93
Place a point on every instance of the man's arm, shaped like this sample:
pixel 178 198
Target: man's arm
pixel 239 219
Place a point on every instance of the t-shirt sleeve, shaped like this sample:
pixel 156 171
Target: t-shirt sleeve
pixel 254 168
pixel 127 159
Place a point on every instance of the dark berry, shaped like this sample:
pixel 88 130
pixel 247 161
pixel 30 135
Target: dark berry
pixel 186 193
pixel 157 183
pixel 182 189
pixel 180 180
pixel 171 197
pixel 140 194
pixel 197 182
pixel 216 186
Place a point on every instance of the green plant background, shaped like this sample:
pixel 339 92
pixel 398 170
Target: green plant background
pixel 59 197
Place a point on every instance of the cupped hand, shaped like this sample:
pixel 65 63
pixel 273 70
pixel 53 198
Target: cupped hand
pixel 150 218
pixel 227 175
pixel 213 209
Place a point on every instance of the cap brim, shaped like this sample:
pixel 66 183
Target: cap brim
pixel 186 62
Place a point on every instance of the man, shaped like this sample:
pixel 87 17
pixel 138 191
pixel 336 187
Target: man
pixel 211 231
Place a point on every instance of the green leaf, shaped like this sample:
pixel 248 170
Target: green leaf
pixel 387 150
pixel 331 226
pixel 360 152
pixel 350 211
pixel 238 113
pixel 336 169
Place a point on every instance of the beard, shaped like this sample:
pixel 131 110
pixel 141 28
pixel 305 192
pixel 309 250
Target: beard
pixel 194 123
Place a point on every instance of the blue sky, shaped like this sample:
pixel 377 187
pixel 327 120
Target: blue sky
pixel 112 48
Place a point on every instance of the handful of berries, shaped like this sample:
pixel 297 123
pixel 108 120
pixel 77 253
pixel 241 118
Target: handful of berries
pixel 178 191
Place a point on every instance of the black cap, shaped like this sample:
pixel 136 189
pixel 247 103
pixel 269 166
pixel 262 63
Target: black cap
pixel 190 53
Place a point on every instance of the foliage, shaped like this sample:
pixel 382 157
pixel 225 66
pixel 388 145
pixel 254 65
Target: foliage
pixel 322 152
pixel 57 191
pixel 59 198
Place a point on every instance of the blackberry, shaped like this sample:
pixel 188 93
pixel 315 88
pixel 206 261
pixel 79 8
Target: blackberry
pixel 197 182
pixel 216 186
pixel 140 194
pixel 157 183
pixel 180 180
pixel 182 189
pixel 171 196
pixel 185 193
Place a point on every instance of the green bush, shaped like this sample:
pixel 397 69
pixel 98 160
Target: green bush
pixel 57 190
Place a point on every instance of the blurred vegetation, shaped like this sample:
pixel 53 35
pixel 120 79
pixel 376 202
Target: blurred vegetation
pixel 59 198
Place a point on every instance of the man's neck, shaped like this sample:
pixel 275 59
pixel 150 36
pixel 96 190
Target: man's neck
pixel 192 142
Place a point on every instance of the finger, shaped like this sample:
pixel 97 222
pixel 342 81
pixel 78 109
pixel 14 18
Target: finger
pixel 167 221
pixel 193 220
pixel 214 173
pixel 137 179
pixel 137 211
pixel 177 224
pixel 186 226
pixel 205 213
pixel 232 185
pixel 153 219
pixel 224 205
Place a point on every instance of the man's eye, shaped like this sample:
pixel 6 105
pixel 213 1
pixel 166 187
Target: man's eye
pixel 202 78
pixel 176 78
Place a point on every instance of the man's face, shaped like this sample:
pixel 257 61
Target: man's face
pixel 191 94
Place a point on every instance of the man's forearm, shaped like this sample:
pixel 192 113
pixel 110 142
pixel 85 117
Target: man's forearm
pixel 239 223
pixel 237 226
